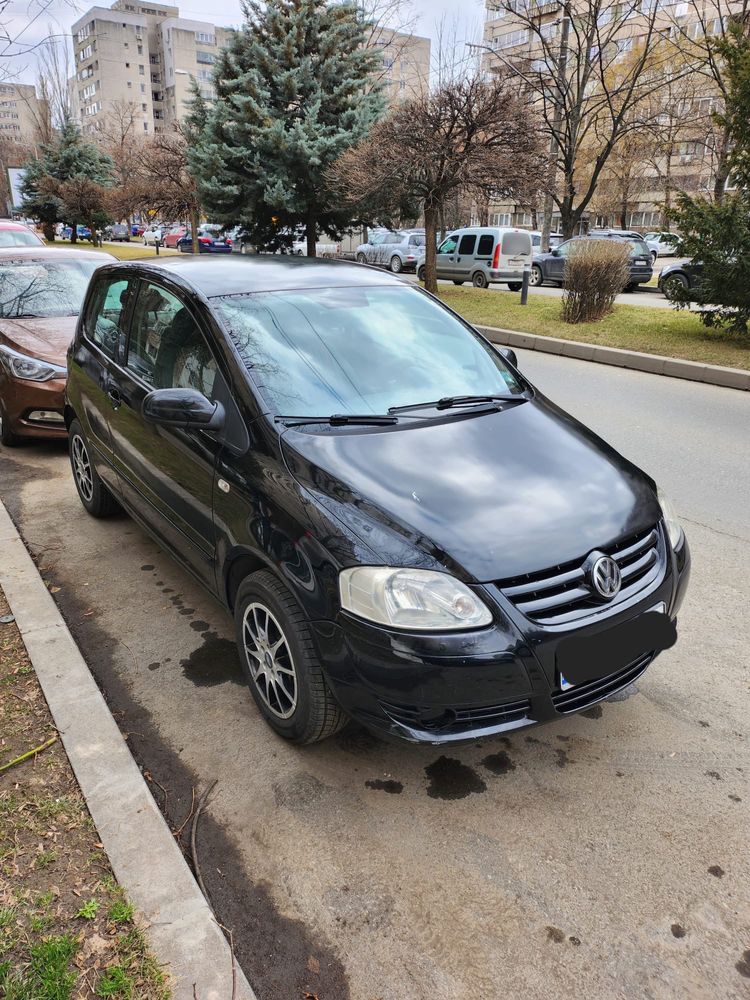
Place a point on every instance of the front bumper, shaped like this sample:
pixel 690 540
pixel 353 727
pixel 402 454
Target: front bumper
pixel 453 688
pixel 23 399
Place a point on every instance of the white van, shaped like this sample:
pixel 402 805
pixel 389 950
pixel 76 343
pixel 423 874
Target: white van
pixel 483 255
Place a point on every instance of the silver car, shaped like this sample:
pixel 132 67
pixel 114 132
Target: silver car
pixel 398 250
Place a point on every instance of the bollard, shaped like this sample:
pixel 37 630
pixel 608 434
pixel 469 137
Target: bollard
pixel 157 241
pixel 525 282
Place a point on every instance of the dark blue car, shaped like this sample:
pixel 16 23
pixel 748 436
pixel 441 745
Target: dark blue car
pixel 207 243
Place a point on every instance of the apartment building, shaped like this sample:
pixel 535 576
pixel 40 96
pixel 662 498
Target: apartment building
pixel 685 163
pixel 144 57
pixel 24 117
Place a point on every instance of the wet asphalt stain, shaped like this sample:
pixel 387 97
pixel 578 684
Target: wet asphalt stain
pixel 702 722
pixel 357 740
pixel 574 940
pixel 159 583
pixel 187 611
pixel 499 763
pixel 596 712
pixel 678 931
pixel 713 774
pixel 167 590
pixel 734 798
pixel 743 966
pixel 214 662
pixel 199 626
pixel 381 785
pixel 561 758
pixel 532 739
pixel 564 739
pixel 717 871
pixel 272 948
pixel 154 666
pixel 147 567
pixel 450 779
pixel 555 934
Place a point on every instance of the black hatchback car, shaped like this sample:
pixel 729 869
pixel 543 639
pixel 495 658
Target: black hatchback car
pixel 551 266
pixel 405 530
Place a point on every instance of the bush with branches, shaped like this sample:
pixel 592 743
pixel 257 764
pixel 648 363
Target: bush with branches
pixel 595 273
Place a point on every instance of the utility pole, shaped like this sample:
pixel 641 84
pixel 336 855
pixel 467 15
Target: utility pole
pixel 562 69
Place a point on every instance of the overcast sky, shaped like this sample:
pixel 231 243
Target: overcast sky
pixel 32 20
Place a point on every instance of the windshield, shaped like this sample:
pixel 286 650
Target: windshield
pixel 18 238
pixel 44 288
pixel 359 350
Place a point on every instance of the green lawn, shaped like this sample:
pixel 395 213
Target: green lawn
pixel 123 251
pixel 637 328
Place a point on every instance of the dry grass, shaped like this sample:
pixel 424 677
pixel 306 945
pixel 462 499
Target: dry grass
pixel 636 328
pixel 66 930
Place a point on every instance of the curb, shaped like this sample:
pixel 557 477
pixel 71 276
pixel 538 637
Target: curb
pixel 145 858
pixel 656 364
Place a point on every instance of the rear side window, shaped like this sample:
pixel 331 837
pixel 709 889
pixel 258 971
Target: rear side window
pixel 106 312
pixel 467 244
pixel 516 243
pixel 486 245
pixel 417 241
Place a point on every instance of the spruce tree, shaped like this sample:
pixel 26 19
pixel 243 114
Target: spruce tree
pixel 295 88
pixel 52 183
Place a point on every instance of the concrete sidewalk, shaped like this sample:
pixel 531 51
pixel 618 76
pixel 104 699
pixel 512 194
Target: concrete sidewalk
pixel 146 860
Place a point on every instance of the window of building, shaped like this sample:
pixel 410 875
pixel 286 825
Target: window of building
pixel 158 115
pixel 156 78
pixel 127 65
pixel 140 50
pixel 141 71
pixel 129 84
pixel 154 60
pixel 143 107
pixel 207 39
pixel 205 57
pixel 511 39
pixel 145 126
pixel 156 95
pixel 143 88
pixel 500 219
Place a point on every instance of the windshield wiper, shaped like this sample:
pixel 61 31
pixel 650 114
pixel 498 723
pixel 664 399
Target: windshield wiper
pixel 342 420
pixel 448 401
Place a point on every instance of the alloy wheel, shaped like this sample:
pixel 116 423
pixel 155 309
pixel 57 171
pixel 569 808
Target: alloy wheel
pixel 269 658
pixel 82 468
pixel 396 264
pixel 535 278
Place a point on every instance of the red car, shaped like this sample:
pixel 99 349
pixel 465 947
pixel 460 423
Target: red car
pixel 175 233
pixel 15 234
pixel 42 291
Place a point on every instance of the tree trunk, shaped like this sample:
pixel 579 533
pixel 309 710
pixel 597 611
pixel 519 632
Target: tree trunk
pixel 194 221
pixel 624 215
pixel 430 236
pixel 74 232
pixel 48 228
pixel 442 221
pixel 722 170
pixel 312 232
pixel 665 215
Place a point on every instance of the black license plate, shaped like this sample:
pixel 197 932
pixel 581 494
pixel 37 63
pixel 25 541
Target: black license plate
pixel 587 658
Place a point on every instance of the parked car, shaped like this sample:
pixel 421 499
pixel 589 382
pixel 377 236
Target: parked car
pixel 207 243
pixel 665 244
pixel 399 250
pixel 41 291
pixel 137 229
pixel 15 234
pixel 173 235
pixel 82 232
pixel 555 239
pixel 119 233
pixel 152 235
pixel 404 529
pixel 674 278
pixel 626 234
pixel 483 255
pixel 551 266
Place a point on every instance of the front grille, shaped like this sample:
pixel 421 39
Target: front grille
pixel 576 698
pixel 457 719
pixel 561 595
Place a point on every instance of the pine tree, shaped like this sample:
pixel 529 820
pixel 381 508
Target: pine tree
pixel 295 89
pixel 68 181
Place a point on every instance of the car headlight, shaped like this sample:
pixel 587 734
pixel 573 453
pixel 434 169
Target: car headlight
pixel 411 599
pixel 674 529
pixel 22 366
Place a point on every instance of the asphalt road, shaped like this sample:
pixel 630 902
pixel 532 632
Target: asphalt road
pixel 604 856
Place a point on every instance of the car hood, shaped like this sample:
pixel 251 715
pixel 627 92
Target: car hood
pixel 489 497
pixel 47 339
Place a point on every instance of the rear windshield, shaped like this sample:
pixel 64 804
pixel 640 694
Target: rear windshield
pixel 516 243
pixel 638 248
pixel 43 288
pixel 417 241
pixel 320 351
pixel 18 238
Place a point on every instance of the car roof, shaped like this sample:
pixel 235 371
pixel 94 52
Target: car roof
pixel 236 274
pixel 10 224
pixel 53 253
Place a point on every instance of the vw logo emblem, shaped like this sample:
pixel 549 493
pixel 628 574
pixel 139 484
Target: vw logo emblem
pixel 606 577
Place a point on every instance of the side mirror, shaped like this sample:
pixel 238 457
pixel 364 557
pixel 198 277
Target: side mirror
pixel 509 355
pixel 186 408
pixel 555 252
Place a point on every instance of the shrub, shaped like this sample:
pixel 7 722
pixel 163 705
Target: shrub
pixel 595 273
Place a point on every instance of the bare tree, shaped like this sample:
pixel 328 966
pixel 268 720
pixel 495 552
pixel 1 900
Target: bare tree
pixel 163 182
pixel 695 39
pixel 55 69
pixel 584 87
pixel 470 136
pixel 118 136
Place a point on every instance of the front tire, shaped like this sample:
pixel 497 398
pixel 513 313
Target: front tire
pixel 93 494
pixel 673 286
pixel 515 286
pixel 7 438
pixel 278 658
pixel 421 273
pixel 536 278
pixel 361 259
pixel 456 282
